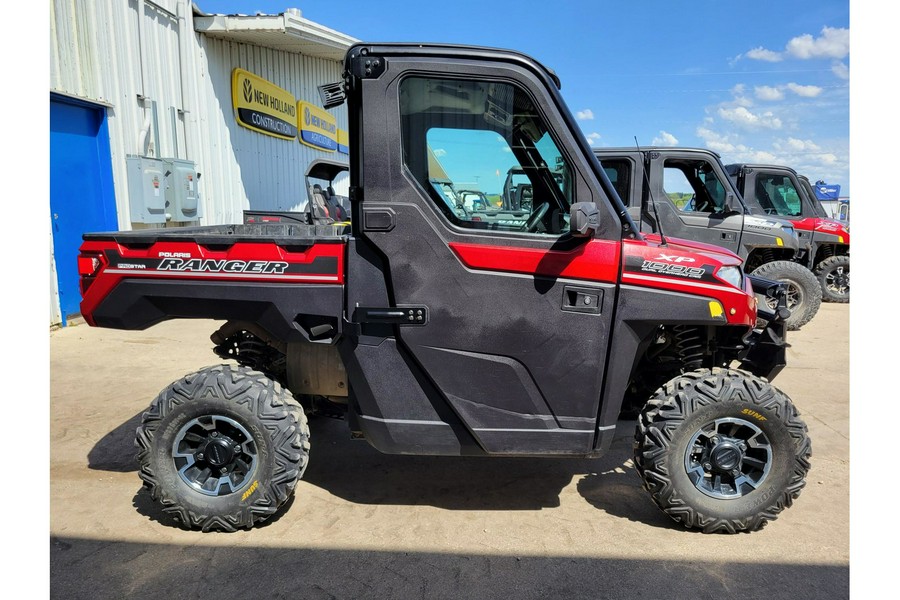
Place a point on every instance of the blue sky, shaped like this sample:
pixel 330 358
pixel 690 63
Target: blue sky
pixel 766 81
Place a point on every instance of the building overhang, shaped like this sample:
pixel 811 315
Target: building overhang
pixel 287 31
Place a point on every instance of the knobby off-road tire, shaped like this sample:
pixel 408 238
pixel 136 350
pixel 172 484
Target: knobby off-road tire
pixel 222 448
pixel 716 485
pixel 834 277
pixel 804 290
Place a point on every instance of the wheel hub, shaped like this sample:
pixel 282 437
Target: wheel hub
pixel 838 279
pixel 218 452
pixel 215 455
pixel 728 458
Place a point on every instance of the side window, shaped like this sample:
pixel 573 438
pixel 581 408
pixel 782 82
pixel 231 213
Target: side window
pixel 693 186
pixel 777 194
pixel 619 174
pixel 484 155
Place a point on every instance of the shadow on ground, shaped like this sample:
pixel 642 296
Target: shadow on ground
pixel 356 472
pixel 91 569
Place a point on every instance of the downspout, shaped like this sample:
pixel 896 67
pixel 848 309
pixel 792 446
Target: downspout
pixel 185 60
pixel 143 141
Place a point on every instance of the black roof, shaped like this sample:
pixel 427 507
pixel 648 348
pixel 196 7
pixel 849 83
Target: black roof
pixel 451 51
pixel 619 149
pixel 327 169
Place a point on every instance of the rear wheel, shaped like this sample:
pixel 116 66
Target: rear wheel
pixel 222 448
pixel 721 450
pixel 804 293
pixel 834 277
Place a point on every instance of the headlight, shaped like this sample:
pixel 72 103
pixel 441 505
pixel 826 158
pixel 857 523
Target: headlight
pixel 788 229
pixel 731 275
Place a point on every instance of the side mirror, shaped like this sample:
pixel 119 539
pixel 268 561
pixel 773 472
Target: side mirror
pixel 584 219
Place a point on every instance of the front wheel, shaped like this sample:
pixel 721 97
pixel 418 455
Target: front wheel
pixel 721 450
pixel 834 277
pixel 804 294
pixel 222 448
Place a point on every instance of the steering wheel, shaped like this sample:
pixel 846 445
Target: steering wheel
pixel 536 216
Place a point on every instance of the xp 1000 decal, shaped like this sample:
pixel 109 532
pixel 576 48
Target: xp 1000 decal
pixel 670 266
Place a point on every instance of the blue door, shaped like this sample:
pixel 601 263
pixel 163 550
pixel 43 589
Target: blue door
pixel 81 188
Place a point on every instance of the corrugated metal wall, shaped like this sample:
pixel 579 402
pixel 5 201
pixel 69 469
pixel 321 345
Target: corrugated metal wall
pixel 243 168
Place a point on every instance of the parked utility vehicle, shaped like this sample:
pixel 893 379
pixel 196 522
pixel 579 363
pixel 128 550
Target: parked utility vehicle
pixel 575 310
pixel 778 190
pixel 694 198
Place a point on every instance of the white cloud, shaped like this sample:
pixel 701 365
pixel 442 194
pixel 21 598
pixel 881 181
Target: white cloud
pixel 832 43
pixel 664 139
pixel 807 91
pixel 841 70
pixel 765 92
pixel 763 54
pixel 717 142
pixel 743 117
pixel 585 115
pixel 593 138
pixel 796 145
pixel 740 99
pixel 440 152
pixel 757 156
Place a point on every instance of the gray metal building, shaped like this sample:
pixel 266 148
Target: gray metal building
pixel 161 116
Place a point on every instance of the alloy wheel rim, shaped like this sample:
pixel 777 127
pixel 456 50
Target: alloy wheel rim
pixel 728 458
pixel 215 455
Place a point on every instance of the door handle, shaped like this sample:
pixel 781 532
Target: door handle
pixel 584 300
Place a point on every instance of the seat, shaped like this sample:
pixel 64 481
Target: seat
pixel 524 197
pixel 319 205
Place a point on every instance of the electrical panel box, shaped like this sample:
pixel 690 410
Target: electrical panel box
pixel 183 192
pixel 147 189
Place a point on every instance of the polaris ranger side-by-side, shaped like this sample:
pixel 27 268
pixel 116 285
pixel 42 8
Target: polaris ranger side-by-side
pixel 577 310
pixel 779 190
pixel 694 199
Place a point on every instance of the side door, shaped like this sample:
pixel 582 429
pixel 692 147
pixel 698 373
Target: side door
pixel 510 320
pixel 691 191
pixel 781 194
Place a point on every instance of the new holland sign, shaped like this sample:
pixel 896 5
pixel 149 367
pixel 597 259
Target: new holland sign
pixel 317 127
pixel 263 106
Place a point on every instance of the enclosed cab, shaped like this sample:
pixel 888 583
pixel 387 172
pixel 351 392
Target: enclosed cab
pixel 433 331
pixel 685 192
pixel 775 190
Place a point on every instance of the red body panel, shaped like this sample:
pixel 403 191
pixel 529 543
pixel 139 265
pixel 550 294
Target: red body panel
pixel 679 266
pixel 185 261
pixel 647 263
pixel 597 260
pixel 828 226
